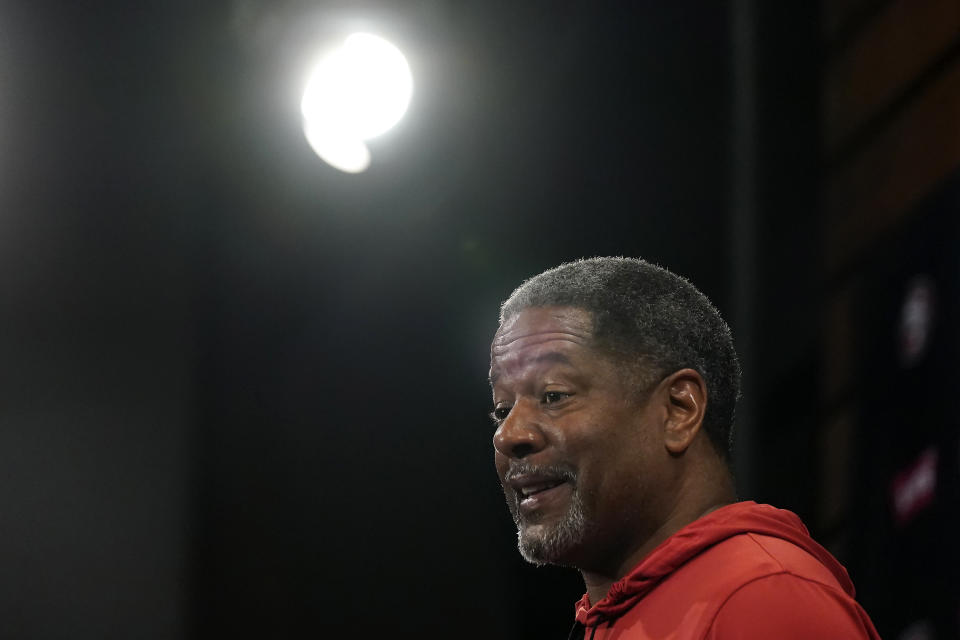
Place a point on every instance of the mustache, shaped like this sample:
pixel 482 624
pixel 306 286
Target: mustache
pixel 564 472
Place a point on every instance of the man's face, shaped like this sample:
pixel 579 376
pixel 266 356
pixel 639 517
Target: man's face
pixel 575 445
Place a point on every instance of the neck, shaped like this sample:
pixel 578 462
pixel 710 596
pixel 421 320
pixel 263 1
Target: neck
pixel 687 510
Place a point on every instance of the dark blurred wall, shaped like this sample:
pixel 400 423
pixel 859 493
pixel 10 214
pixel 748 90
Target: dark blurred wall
pixel 887 430
pixel 780 375
pixel 97 409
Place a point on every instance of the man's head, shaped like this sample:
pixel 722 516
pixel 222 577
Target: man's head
pixel 651 320
pixel 601 370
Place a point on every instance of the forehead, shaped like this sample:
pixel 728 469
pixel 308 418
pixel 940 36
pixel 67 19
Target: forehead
pixel 532 335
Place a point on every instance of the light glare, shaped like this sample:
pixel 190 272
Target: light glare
pixel 355 93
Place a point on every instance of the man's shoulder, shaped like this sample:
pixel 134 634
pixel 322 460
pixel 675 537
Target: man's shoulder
pixel 750 556
pixel 789 606
pixel 737 577
pixel 786 593
pixel 745 557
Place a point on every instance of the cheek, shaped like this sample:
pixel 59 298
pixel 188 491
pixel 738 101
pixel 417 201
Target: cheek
pixel 620 462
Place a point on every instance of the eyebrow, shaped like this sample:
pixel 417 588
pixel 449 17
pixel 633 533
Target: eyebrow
pixel 550 356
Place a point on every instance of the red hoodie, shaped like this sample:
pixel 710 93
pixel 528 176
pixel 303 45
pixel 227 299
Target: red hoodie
pixel 746 571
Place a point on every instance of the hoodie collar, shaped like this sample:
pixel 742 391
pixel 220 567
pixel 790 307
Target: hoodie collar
pixel 691 540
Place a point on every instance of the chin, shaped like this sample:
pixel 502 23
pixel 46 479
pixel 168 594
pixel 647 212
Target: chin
pixel 553 543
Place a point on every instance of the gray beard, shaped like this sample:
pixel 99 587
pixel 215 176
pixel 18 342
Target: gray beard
pixel 549 545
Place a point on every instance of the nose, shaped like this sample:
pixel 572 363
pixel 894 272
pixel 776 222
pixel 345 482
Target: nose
pixel 519 435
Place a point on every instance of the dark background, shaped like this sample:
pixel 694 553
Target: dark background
pixel 245 395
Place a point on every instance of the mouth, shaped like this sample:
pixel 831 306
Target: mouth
pixel 530 490
pixel 543 497
pixel 538 492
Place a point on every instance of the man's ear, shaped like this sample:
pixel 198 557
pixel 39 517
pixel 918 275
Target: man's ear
pixel 687 402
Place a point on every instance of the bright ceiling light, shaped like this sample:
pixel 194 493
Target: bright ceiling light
pixel 355 93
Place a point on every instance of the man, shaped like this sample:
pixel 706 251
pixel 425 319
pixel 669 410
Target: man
pixel 614 387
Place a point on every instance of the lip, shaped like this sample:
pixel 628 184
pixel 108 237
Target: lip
pixel 555 490
pixel 544 500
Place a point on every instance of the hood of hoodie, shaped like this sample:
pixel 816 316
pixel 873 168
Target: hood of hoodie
pixel 691 540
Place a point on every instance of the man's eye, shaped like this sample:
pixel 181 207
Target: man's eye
pixel 499 414
pixel 551 397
